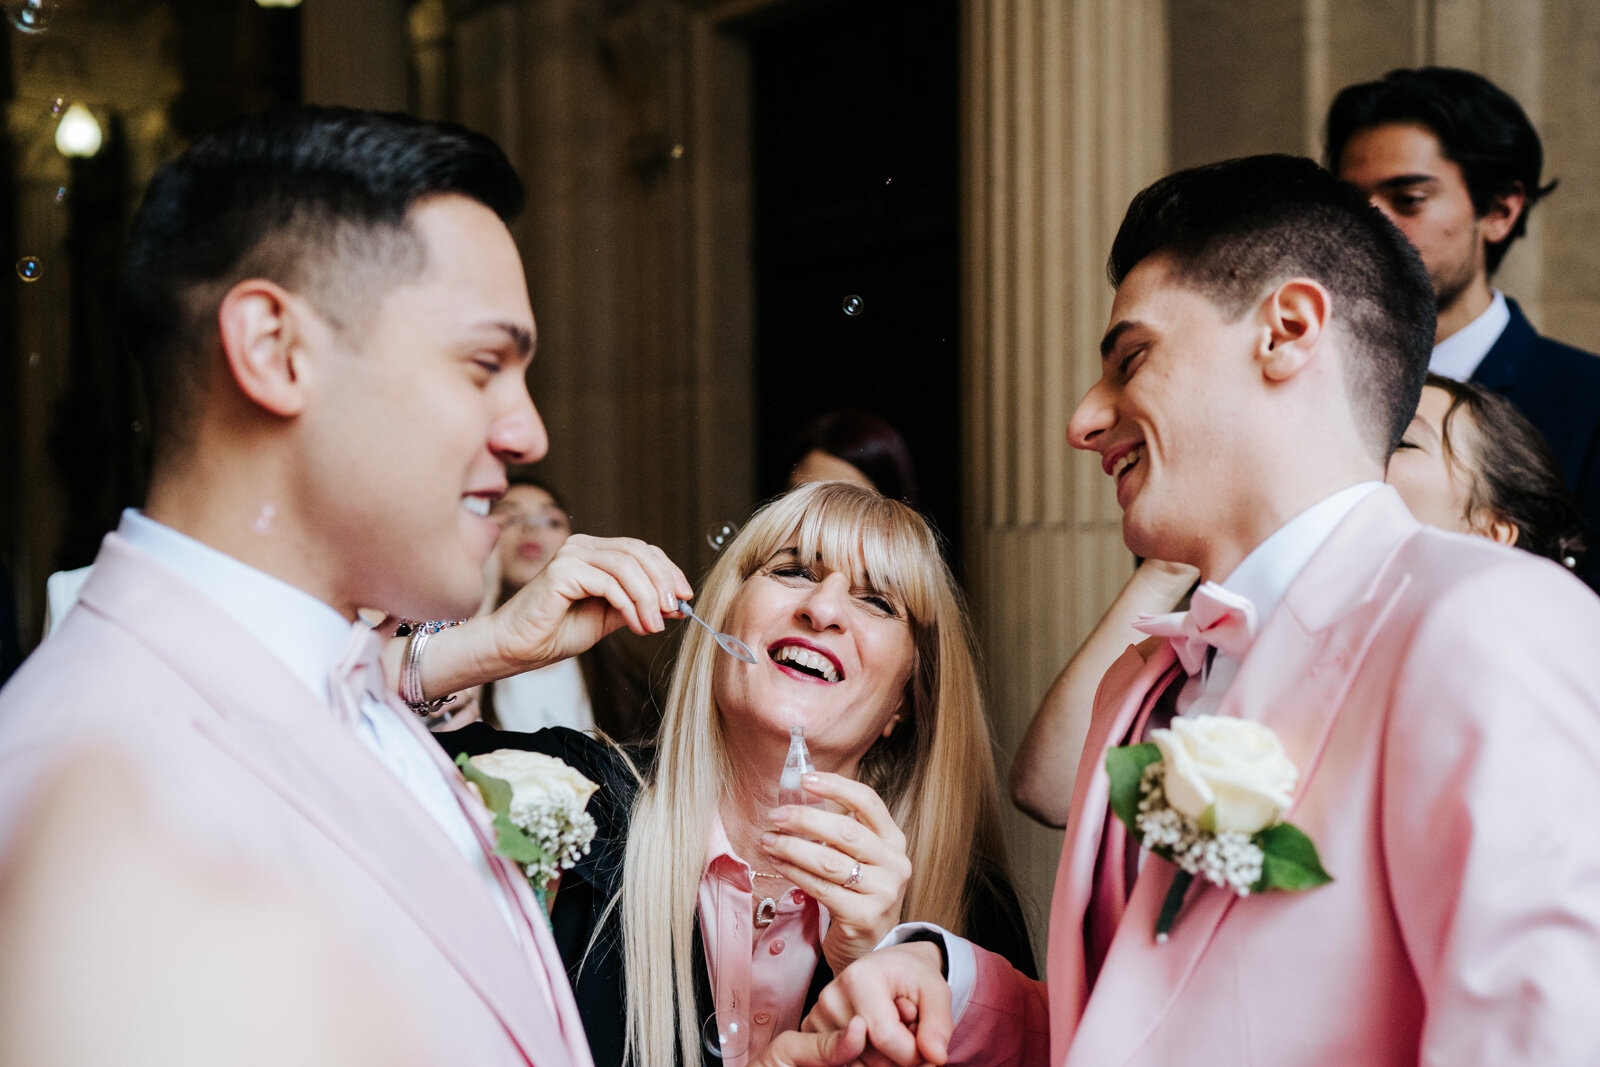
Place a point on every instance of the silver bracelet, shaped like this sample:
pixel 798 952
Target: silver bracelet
pixel 411 671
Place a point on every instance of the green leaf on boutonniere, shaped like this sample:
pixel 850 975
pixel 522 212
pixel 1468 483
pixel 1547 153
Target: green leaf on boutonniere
pixel 1289 860
pixel 510 841
pixel 515 845
pixel 496 792
pixel 1125 766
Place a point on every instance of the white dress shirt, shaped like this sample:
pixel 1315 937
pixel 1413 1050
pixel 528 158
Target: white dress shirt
pixel 1458 355
pixel 549 696
pixel 1263 576
pixel 309 636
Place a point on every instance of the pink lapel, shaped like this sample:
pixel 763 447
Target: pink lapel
pixel 288 739
pixel 1139 683
pixel 540 946
pixel 1294 680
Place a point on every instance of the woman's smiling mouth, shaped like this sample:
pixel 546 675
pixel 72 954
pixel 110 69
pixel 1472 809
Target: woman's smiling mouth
pixel 804 660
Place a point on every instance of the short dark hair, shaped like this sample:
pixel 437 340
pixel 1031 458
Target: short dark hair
pixel 868 444
pixel 1235 228
pixel 315 199
pixel 523 474
pixel 1513 475
pixel 1480 128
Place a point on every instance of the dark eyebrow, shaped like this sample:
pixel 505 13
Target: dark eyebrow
pixel 521 337
pixel 1400 181
pixel 1109 341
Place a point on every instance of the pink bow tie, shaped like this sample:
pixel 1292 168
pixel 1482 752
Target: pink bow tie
pixel 1216 618
pixel 357 674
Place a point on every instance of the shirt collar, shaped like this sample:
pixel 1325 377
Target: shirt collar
pixel 306 634
pixel 1267 572
pixel 720 854
pixel 1458 355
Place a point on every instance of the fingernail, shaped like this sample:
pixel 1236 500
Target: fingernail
pixel 767 839
pixel 779 814
pixel 809 779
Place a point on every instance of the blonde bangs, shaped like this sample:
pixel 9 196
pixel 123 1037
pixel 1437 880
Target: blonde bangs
pixel 882 544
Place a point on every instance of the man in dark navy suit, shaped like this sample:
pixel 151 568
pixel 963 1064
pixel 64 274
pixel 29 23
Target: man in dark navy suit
pixel 1454 161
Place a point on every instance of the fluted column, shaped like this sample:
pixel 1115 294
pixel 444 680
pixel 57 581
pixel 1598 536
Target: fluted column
pixel 1065 119
pixel 1258 75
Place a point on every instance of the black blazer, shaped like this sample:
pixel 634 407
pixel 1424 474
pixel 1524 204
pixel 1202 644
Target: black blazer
pixel 596 972
pixel 1558 388
pixel 623 695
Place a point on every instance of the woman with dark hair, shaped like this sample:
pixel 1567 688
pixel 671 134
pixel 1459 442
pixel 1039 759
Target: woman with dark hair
pixel 606 688
pixel 853 446
pixel 1471 462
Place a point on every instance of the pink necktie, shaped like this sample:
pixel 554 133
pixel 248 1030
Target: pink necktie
pixel 1216 619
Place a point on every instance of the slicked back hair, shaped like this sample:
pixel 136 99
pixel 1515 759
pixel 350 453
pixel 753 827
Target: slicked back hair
pixel 1480 128
pixel 1235 229
pixel 314 199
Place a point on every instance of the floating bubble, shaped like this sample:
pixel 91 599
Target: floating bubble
pixel 726 1035
pixel 263 520
pixel 58 105
pixel 30 16
pixel 33 359
pixel 30 269
pixel 61 194
pixel 854 305
pixel 720 534
pixel 677 151
pixel 888 181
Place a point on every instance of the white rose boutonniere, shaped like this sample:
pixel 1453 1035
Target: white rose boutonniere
pixel 538 803
pixel 1209 795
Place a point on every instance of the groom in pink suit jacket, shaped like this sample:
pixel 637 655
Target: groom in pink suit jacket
pixel 333 324
pixel 1439 694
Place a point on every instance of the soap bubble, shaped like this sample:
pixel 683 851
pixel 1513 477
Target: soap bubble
pixel 58 105
pixel 720 534
pixel 30 16
pixel 61 194
pixel 29 268
pixel 726 1035
pixel 262 523
pixel 677 151
pixel 853 305
pixel 33 359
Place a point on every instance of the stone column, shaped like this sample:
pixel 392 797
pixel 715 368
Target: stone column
pixel 1065 119
pixel 1258 75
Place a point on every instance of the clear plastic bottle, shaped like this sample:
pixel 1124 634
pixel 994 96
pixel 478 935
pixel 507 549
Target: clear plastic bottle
pixel 797 763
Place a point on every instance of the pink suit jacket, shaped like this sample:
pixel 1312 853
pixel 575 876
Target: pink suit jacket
pixel 245 765
pixel 1441 698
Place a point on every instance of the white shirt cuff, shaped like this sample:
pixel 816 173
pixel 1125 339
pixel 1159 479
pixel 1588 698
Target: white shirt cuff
pixel 958 956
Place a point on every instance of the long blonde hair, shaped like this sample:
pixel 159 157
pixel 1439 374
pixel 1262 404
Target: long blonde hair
pixel 935 773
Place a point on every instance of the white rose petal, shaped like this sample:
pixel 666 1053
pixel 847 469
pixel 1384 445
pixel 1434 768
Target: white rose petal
pixel 1233 767
pixel 534 776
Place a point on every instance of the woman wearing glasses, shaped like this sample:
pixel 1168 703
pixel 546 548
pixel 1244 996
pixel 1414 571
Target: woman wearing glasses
pixel 605 688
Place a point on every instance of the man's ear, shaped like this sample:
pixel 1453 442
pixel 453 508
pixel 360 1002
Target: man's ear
pixel 1496 224
pixel 262 328
pixel 1295 319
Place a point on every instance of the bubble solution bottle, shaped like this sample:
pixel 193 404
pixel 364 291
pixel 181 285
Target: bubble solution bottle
pixel 797 763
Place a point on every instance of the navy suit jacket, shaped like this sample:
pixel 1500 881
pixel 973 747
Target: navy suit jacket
pixel 1558 388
